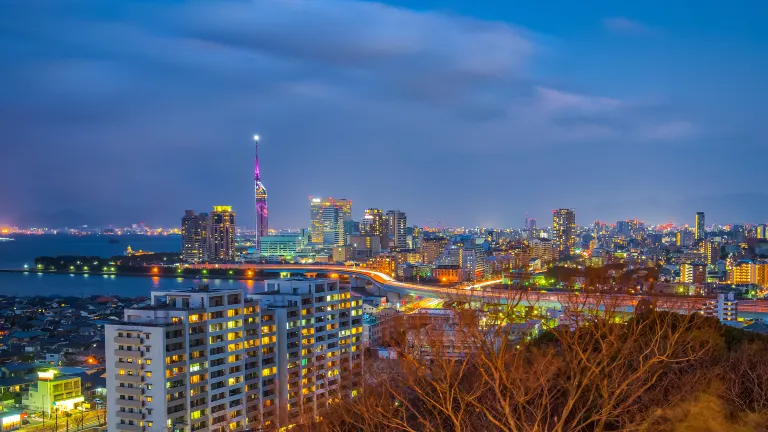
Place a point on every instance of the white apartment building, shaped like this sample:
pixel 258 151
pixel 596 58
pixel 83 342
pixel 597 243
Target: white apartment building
pixel 725 308
pixel 215 360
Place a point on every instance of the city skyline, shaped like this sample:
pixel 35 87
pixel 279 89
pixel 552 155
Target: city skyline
pixel 572 112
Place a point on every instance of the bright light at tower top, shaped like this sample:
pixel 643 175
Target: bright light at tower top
pixel 255 137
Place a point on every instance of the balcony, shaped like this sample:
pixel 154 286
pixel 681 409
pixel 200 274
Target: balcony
pixel 130 391
pixel 127 427
pixel 128 340
pixel 129 366
pixel 129 353
pixel 133 379
pixel 130 415
pixel 129 403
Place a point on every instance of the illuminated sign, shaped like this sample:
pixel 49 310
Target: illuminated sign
pixel 14 418
pixel 46 375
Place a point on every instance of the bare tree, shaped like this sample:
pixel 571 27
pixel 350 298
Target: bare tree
pixel 474 371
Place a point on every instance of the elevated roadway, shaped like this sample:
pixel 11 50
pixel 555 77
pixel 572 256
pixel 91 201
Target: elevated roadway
pixel 485 290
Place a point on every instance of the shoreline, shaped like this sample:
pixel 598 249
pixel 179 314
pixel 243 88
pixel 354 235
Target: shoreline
pixel 147 275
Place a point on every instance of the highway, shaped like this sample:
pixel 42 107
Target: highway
pixel 482 290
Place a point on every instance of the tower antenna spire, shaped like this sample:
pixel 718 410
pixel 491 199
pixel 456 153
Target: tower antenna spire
pixel 260 192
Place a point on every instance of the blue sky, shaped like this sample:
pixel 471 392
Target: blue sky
pixel 468 112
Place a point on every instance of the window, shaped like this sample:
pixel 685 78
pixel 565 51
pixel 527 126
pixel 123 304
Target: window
pixel 148 386
pixel 149 424
pixel 149 374
pixel 146 349
pixel 148 398
pixel 148 361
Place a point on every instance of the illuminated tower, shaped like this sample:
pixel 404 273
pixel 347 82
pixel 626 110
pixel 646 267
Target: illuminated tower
pixel 699 229
pixel 262 216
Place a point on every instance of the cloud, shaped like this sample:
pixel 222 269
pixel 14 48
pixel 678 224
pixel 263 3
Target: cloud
pixel 625 26
pixel 146 90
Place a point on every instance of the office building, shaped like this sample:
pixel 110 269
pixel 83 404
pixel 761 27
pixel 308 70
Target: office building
pixel 432 248
pixel 333 226
pixel 373 222
pixel 215 360
pixel 221 234
pixel 365 246
pixel 327 217
pixel 194 236
pixel 698 233
pixel 397 229
pixel 564 229
pixel 284 245
pixel 262 214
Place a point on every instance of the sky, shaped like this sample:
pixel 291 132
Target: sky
pixel 466 112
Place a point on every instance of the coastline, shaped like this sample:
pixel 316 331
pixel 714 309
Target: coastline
pixel 140 275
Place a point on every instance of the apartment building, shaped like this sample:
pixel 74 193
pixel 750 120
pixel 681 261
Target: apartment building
pixel 213 360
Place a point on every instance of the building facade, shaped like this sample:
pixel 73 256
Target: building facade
pixel 221 234
pixel 397 224
pixel 194 236
pixel 373 223
pixel 54 394
pixel 216 360
pixel 283 245
pixel 327 217
pixel 564 229
pixel 698 232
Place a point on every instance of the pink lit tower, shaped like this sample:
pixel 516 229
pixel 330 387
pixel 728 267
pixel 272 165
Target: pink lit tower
pixel 262 217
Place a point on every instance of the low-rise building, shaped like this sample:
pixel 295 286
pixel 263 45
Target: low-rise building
pixel 54 392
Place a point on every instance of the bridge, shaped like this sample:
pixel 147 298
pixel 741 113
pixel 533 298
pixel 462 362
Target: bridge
pixel 485 291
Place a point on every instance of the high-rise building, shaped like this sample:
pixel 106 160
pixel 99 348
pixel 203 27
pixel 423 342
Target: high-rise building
pixel 318 224
pixel 333 226
pixel 220 361
pixel 397 229
pixel 762 231
pixel 699 228
pixel 432 248
pixel 262 215
pixel 194 236
pixel 564 229
pixel 532 223
pixel 221 234
pixel 373 222
pixel 712 251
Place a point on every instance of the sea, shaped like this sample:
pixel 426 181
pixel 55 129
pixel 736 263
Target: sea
pixel 24 248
